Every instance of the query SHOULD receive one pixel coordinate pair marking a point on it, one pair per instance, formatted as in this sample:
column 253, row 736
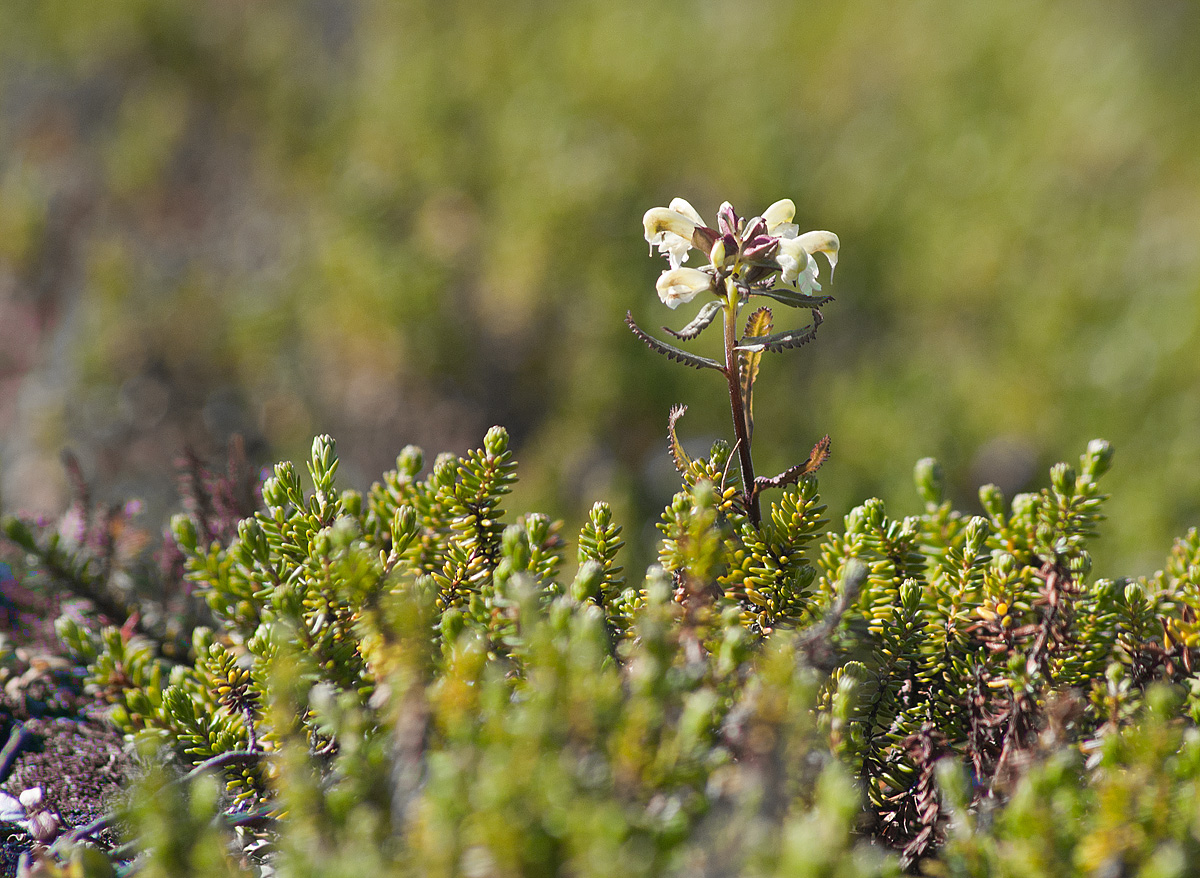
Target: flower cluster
column 754, row 254
column 759, row 256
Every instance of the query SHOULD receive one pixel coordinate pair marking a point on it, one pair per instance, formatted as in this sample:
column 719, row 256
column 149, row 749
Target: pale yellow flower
column 677, row 286
column 796, row 262
column 671, row 229
column 751, row 250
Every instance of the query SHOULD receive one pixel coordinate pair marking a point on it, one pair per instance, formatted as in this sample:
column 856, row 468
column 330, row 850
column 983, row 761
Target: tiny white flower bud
column 44, row 826
column 32, row 798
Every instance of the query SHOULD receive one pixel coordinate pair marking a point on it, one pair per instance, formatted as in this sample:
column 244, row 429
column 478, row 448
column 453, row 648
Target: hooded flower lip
column 778, row 218
column 672, row 230
column 796, row 262
column 678, row 286
column 822, row 242
column 684, row 206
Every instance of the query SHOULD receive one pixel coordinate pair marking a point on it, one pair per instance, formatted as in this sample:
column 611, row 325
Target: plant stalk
column 738, row 405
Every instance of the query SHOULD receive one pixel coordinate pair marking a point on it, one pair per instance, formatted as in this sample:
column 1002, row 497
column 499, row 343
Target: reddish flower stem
column 738, row 406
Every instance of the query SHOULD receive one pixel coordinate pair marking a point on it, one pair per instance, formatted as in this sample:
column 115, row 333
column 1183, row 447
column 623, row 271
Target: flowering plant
column 758, row 256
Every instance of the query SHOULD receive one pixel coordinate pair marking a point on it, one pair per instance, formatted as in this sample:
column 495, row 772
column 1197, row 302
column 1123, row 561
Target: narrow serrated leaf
column 682, row 461
column 781, row 341
column 759, row 324
column 669, row 351
column 818, row 455
column 791, row 297
column 700, row 323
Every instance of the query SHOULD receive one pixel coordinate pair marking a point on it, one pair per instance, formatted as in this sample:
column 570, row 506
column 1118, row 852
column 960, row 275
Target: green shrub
column 406, row 682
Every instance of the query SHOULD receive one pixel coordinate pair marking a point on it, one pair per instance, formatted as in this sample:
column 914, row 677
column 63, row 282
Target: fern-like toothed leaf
column 758, row 325
column 681, row 458
column 796, row 300
column 701, row 322
column 782, row 341
column 818, row 455
column 669, row 351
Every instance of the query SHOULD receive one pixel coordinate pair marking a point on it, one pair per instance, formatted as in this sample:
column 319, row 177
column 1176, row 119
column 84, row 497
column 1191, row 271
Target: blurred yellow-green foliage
column 401, row 221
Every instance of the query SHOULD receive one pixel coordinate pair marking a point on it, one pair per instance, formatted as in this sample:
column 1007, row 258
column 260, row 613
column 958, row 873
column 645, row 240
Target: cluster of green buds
column 758, row 256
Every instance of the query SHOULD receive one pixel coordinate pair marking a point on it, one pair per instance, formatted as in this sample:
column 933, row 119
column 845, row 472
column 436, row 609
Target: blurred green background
column 406, row 221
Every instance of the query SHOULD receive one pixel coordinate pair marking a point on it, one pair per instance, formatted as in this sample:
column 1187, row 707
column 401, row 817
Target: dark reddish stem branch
column 738, row 405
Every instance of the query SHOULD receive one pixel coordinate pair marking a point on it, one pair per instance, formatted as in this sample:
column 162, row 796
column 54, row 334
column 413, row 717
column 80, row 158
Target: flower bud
column 727, row 220
column 44, row 826
column 760, row 249
column 703, row 239
column 755, row 228
column 930, row 480
column 32, row 799
column 717, row 255
column 725, row 248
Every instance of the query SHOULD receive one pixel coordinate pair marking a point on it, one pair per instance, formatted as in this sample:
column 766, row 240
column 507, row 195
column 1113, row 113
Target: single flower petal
column 704, row 238
column 822, row 242
column 807, row 281
column 796, row 265
column 677, row 286
column 681, row 206
column 676, row 249
column 658, row 221
column 779, row 213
